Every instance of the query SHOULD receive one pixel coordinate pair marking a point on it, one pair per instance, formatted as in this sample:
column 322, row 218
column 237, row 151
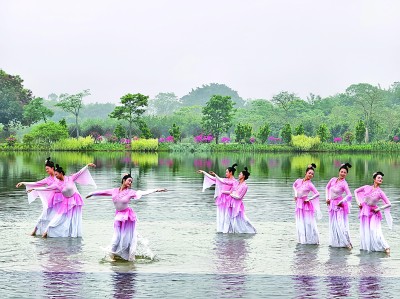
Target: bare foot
column 387, row 250
column 44, row 235
column 349, row 247
column 33, row 233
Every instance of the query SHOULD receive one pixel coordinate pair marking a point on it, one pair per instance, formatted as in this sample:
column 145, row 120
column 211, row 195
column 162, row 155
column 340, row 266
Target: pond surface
column 183, row 256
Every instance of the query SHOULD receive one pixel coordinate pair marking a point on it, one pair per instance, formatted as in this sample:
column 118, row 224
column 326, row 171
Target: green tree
column 175, row 132
column 13, row 98
column 73, row 104
column 323, row 132
column 369, row 98
column 243, row 133
column 263, row 133
column 144, row 130
column 164, row 103
column 120, row 131
column 217, row 115
column 284, row 100
column 299, row 130
column 47, row 133
column 132, row 107
column 348, row 137
column 35, row 111
column 286, row 133
column 360, row 131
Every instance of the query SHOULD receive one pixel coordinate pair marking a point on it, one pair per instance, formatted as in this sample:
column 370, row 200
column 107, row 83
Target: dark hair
column 125, row 177
column 246, row 173
column 312, row 166
column 345, row 166
column 59, row 169
column 49, row 163
column 375, row 174
column 232, row 168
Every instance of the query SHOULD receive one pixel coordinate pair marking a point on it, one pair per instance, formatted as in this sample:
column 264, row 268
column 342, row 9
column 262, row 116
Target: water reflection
column 304, row 266
column 124, row 281
column 370, row 269
column 337, row 269
column 231, row 252
column 62, row 266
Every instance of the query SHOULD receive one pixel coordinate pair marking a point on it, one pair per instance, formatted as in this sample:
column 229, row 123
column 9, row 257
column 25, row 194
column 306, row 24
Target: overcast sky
column 257, row 48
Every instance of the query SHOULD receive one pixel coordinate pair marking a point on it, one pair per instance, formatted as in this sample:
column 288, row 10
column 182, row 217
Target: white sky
column 258, row 48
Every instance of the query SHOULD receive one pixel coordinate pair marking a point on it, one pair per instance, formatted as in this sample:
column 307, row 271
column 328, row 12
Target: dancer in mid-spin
column 222, row 199
column 68, row 219
column 370, row 215
column 339, row 208
column 50, row 206
column 306, row 208
column 238, row 221
column 125, row 236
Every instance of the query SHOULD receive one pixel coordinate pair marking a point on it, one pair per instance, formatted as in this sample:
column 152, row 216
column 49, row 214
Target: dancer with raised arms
column 125, row 237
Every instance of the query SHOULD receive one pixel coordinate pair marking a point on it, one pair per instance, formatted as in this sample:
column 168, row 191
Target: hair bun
column 348, row 165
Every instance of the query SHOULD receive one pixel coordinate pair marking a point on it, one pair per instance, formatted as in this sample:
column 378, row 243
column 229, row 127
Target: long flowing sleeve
column 348, row 196
column 46, row 193
column 359, row 194
column 295, row 187
column 208, row 181
column 386, row 209
column 140, row 193
column 327, row 189
column 315, row 200
column 108, row 192
column 30, row 185
column 240, row 192
column 83, row 177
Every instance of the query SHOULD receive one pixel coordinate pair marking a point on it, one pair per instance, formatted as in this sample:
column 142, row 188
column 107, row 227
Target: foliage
column 299, row 130
column 203, row 138
column 348, row 137
column 201, row 95
column 175, row 132
column 35, row 111
column 48, row 133
column 164, row 103
column 73, row 104
column 144, row 130
column 225, row 140
column 144, row 145
column 168, row 139
column 360, row 131
column 284, row 99
column 217, row 115
column 263, row 133
column 120, row 131
column 286, row 133
column 323, row 133
column 13, row 98
column 305, row 143
column 132, row 107
column 243, row 133
column 11, row 140
column 74, row 144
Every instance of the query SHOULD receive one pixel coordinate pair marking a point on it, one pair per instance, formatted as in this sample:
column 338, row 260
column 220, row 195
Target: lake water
column 183, row 255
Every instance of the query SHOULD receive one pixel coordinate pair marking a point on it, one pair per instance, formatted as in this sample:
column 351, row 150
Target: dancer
column 68, row 219
column 370, row 215
column 222, row 199
column 50, row 206
column 306, row 225
column 238, row 221
column 339, row 208
column 125, row 236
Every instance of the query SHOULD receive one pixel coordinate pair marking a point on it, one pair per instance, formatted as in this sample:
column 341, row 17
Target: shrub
column 305, row 143
column 11, row 140
column 144, row 145
column 225, row 140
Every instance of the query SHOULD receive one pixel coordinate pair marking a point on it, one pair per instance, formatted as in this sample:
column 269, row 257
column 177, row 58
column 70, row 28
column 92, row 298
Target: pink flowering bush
column 396, row 138
column 111, row 138
column 11, row 140
column 337, row 139
column 225, row 140
column 167, row 139
column 252, row 140
column 125, row 141
column 203, row 138
column 272, row 139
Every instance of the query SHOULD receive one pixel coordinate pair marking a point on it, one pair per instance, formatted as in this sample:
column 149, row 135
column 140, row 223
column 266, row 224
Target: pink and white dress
column 222, row 200
column 307, row 209
column 339, row 209
column 125, row 237
column 236, row 216
column 49, row 206
column 370, row 221
column 68, row 219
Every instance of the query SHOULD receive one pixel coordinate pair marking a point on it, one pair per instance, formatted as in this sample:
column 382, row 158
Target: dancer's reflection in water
column 62, row 265
column 305, row 266
column 370, row 284
column 231, row 253
column 124, row 280
column 337, row 269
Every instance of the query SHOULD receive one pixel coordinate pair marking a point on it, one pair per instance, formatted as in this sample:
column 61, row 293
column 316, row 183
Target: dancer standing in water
column 68, row 220
column 370, row 215
column 339, row 208
column 306, row 225
column 50, row 206
column 125, row 236
column 238, row 221
column 222, row 199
